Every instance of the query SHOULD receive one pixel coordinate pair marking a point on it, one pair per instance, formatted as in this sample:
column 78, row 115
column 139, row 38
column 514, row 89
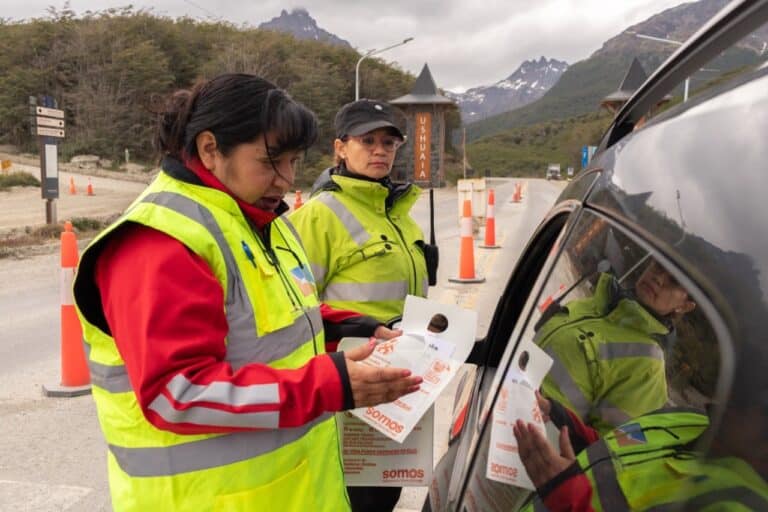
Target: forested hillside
column 108, row 70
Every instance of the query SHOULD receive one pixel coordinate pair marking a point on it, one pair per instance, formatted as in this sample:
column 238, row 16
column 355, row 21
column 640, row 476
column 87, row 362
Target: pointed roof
column 632, row 81
column 424, row 91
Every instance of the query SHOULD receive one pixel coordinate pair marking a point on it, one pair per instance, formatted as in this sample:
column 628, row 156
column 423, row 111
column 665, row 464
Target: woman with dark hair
column 204, row 332
column 366, row 251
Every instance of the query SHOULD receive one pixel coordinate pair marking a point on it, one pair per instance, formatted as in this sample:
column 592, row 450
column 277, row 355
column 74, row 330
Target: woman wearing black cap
column 365, row 249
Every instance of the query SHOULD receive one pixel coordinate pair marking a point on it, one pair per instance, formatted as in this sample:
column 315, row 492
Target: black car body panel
column 691, row 185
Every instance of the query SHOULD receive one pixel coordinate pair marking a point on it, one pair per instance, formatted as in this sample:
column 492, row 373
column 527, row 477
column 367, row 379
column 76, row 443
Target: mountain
column 527, row 84
column 586, row 82
column 302, row 26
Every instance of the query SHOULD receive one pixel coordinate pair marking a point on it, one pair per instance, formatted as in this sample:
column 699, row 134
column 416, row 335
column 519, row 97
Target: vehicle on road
column 654, row 195
column 553, row 172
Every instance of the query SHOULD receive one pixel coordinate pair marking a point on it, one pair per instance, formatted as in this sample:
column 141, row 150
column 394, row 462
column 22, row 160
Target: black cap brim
column 364, row 128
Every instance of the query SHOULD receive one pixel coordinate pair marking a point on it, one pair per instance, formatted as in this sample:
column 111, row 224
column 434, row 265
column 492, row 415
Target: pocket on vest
column 288, row 492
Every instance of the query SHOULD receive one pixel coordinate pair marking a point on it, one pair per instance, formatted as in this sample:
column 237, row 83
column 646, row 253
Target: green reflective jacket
column 648, row 464
column 608, row 364
column 366, row 256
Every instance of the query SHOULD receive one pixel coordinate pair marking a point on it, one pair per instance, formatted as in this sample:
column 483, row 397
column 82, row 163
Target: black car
column 684, row 192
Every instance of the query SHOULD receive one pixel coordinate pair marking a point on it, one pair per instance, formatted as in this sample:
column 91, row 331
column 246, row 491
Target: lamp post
column 668, row 41
column 368, row 54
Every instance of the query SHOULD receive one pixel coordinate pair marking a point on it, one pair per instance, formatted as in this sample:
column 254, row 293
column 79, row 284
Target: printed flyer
column 436, row 340
column 516, row 401
column 371, row 458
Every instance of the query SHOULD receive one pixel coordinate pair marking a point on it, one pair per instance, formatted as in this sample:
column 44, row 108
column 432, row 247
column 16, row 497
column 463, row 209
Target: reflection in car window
column 625, row 336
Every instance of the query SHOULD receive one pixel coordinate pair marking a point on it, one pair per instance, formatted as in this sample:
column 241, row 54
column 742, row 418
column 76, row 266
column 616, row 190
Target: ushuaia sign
column 422, row 146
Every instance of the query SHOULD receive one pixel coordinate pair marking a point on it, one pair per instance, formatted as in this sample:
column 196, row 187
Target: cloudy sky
column 466, row 42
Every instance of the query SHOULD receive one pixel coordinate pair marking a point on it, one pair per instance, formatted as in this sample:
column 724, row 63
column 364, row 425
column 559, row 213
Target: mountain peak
column 301, row 25
column 528, row 83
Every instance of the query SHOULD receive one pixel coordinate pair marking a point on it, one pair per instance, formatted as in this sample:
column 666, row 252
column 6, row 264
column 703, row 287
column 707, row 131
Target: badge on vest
column 630, row 434
column 304, row 280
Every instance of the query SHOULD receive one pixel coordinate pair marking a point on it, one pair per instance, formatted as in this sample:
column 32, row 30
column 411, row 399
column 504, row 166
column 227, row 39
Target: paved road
column 52, row 455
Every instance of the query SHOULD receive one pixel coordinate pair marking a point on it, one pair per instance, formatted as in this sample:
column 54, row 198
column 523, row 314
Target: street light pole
column 668, row 41
column 368, row 54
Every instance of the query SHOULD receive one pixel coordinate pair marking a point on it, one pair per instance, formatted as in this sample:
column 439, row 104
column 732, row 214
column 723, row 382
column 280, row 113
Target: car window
column 626, row 334
column 464, row 431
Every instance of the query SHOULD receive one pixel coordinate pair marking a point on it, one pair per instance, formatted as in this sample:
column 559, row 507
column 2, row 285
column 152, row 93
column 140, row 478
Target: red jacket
column 165, row 310
column 570, row 491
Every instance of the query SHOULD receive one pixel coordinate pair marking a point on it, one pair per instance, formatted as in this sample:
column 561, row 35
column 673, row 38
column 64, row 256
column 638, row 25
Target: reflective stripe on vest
column 366, row 292
column 240, row 319
column 111, row 378
column 607, row 485
column 207, row 453
column 611, row 414
column 564, row 380
column 356, row 230
column 732, row 495
column 617, row 349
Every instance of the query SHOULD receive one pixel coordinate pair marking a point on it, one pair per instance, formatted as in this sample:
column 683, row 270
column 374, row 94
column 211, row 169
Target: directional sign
column 49, row 121
column 49, row 112
column 50, row 132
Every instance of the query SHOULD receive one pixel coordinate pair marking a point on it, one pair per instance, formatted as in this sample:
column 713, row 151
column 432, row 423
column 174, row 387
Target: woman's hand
column 383, row 332
column 541, row 461
column 373, row 386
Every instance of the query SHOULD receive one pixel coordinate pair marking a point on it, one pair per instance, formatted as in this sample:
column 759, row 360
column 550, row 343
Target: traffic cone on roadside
column 72, row 189
column 490, row 223
column 298, row 202
column 466, row 254
column 75, row 379
column 90, row 188
column 550, row 299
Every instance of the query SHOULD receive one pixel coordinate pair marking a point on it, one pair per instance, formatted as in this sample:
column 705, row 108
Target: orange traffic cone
column 546, row 302
column 72, row 189
column 75, row 379
column 467, row 255
column 490, row 223
column 90, row 188
column 297, row 202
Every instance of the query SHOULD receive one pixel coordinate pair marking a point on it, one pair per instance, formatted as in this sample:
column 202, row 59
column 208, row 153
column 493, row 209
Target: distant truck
column 553, row 172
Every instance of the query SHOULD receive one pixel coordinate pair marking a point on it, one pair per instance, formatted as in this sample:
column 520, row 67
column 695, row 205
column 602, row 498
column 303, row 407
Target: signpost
column 47, row 123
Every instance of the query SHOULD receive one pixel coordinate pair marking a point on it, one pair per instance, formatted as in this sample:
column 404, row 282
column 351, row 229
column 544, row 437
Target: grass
column 22, row 242
column 18, row 179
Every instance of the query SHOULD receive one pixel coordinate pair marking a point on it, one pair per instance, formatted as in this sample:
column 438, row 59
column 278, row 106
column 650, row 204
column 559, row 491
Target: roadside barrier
column 75, row 379
column 490, row 223
column 72, row 189
column 466, row 254
column 298, row 202
column 90, row 188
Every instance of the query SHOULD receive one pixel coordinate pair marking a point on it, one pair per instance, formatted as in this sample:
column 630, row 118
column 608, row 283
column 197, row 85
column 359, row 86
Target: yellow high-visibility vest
column 273, row 317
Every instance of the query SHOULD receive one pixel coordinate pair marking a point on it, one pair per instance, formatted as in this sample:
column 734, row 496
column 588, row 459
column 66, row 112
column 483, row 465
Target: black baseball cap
column 363, row 116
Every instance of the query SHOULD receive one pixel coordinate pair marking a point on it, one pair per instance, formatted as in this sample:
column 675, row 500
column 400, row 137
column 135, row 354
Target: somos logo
column 382, row 419
column 403, row 474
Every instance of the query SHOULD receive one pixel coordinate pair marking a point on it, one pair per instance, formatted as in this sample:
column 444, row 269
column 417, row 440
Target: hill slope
column 585, row 83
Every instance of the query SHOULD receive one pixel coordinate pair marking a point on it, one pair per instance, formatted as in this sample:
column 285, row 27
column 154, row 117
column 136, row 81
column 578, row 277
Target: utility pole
column 464, row 149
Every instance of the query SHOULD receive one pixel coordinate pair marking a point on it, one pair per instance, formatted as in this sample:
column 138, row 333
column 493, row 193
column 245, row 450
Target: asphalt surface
column 52, row 454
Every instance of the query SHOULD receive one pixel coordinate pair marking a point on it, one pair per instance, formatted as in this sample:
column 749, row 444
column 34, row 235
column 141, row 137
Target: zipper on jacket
column 411, row 283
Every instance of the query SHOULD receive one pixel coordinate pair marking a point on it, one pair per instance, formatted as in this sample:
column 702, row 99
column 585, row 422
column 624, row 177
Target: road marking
column 32, row 496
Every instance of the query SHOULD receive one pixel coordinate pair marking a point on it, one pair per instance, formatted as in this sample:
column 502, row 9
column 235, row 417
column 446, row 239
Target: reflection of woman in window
column 608, row 349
